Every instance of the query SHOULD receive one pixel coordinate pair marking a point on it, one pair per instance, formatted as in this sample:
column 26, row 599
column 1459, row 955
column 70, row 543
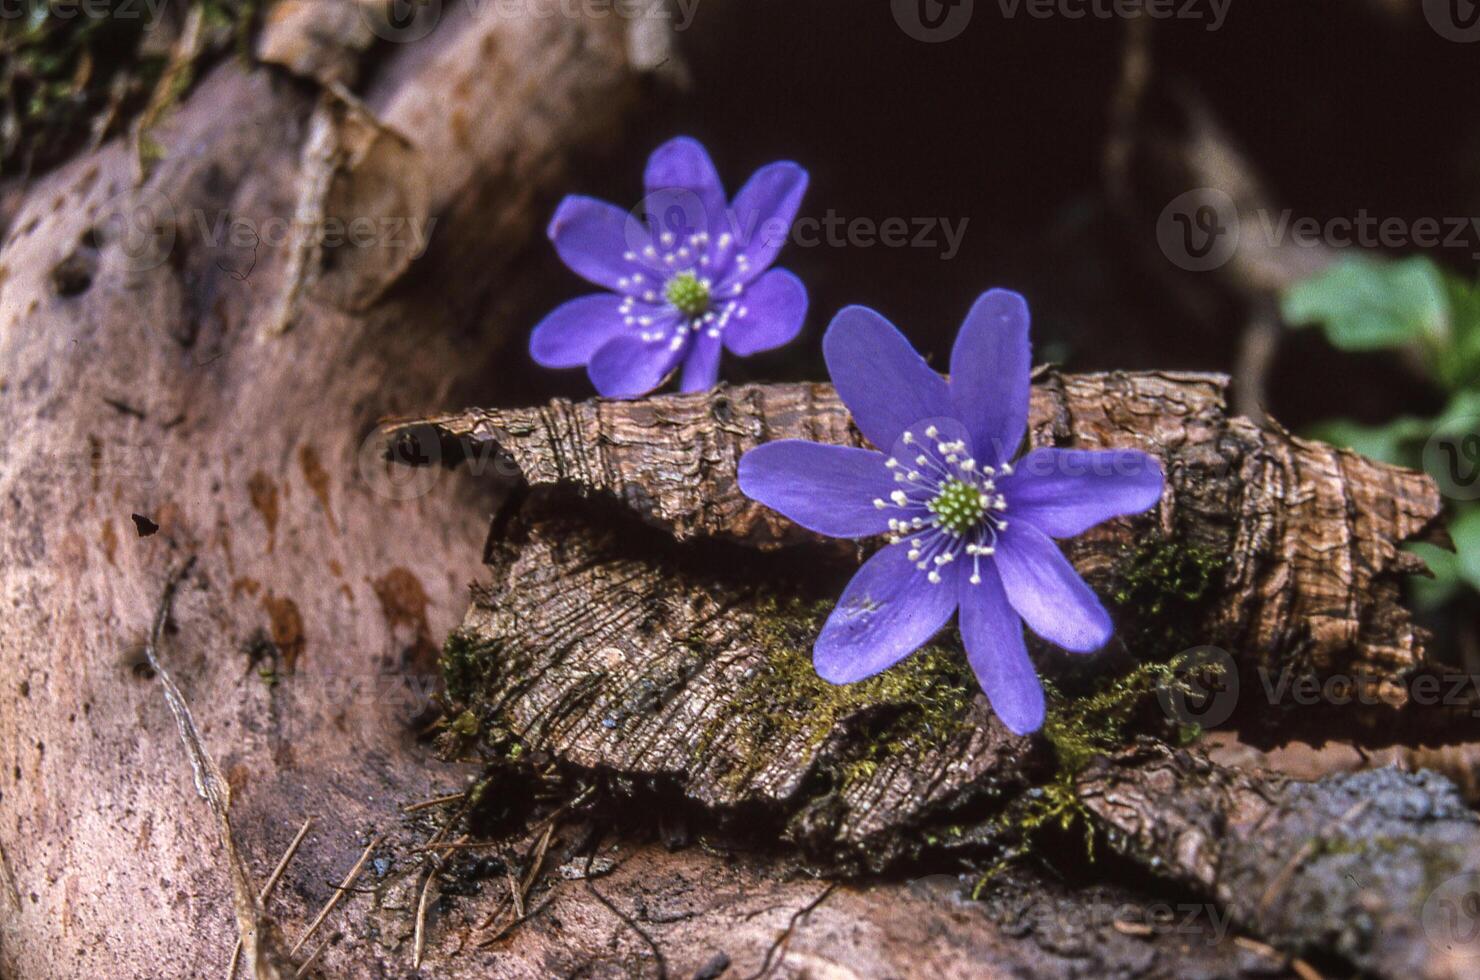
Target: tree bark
column 219, row 384
column 646, row 634
column 1357, row 866
column 1306, row 539
column 187, row 387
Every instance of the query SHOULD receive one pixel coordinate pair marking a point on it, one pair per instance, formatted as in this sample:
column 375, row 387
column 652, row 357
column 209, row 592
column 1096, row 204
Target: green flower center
column 687, row 294
column 958, row 506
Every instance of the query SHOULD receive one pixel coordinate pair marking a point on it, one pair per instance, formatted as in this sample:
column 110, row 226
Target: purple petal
column 684, row 193
column 760, row 217
column 627, row 366
column 701, row 366
column 1047, row 592
column 574, row 331
column 887, row 612
column 884, row 383
column 990, row 365
column 592, row 238
column 827, row 489
column 993, row 635
column 1063, row 492
column 775, row 306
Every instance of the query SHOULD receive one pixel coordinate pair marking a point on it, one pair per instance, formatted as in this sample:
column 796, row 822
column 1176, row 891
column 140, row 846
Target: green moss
column 67, row 76
column 1161, row 590
column 1101, row 722
column 1078, row 729
column 467, row 662
column 917, row 705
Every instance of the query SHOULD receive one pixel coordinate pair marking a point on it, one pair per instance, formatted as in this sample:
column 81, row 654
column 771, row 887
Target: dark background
column 1338, row 107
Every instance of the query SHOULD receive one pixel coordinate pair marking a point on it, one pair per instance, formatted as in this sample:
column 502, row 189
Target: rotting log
column 154, row 360
column 219, row 389
column 138, row 376
column 1301, row 543
column 1355, row 866
column 646, row 629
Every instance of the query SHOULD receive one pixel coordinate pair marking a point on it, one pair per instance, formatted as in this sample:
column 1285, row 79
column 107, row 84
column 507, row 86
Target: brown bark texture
column 1307, row 538
column 646, row 634
column 224, row 612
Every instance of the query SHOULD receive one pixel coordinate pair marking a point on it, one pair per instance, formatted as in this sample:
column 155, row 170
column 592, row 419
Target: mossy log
column 1356, row 866
column 647, row 628
column 1283, row 550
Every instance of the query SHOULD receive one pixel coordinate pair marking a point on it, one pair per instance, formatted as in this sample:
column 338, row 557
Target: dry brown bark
column 1309, row 536
column 647, row 630
column 139, row 375
column 1341, row 866
column 222, row 390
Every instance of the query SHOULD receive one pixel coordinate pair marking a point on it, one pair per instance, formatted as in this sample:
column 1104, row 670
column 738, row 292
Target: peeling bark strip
column 611, row 655
column 1308, row 536
column 680, row 672
column 1344, row 866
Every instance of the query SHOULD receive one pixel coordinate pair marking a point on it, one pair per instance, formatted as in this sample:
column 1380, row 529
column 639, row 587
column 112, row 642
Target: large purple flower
column 690, row 279
column 967, row 528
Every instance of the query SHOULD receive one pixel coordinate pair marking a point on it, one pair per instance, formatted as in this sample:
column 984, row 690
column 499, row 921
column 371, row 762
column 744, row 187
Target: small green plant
column 1432, row 317
column 71, row 75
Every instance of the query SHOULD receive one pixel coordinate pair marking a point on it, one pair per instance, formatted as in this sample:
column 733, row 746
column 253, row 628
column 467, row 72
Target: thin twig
column 514, row 894
column 419, row 944
column 791, row 925
column 349, row 879
column 312, row 958
column 1281, row 880
column 266, row 892
column 534, row 866
column 282, row 865
column 503, row 930
column 210, row 785
column 626, row 919
column 428, row 804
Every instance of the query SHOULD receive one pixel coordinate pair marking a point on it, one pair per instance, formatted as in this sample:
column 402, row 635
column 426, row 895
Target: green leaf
column 1459, row 416
column 1431, row 593
column 1459, row 366
column 1364, row 304
column 1465, row 530
column 1394, row 442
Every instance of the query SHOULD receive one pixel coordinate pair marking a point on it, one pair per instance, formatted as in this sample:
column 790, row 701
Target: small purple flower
column 690, row 279
column 967, row 528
